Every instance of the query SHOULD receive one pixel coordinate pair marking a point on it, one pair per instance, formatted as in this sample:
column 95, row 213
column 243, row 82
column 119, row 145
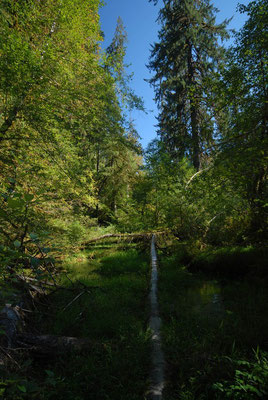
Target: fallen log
column 138, row 236
column 110, row 235
column 11, row 324
column 120, row 236
column 51, row 345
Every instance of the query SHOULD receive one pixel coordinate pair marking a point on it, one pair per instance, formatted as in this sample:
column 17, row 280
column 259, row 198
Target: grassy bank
column 232, row 262
column 214, row 331
column 112, row 314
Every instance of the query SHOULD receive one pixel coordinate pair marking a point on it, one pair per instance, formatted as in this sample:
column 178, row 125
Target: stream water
column 206, row 298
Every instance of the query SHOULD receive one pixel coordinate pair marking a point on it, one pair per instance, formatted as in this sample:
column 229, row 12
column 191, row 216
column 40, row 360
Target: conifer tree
column 116, row 51
column 244, row 99
column 184, row 61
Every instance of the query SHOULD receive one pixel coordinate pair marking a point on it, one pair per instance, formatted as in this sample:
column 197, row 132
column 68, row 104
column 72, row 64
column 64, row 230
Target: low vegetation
column 72, row 170
column 214, row 328
column 112, row 280
column 232, row 262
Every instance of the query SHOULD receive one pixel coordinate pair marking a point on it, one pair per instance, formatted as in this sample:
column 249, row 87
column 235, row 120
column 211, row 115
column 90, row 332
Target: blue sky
column 139, row 17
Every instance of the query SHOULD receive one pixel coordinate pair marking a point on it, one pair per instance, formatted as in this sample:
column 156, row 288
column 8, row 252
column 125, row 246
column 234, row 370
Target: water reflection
column 205, row 298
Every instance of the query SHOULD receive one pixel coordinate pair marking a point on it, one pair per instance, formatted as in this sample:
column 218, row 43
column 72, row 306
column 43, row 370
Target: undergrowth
column 112, row 312
column 214, row 332
column 233, row 262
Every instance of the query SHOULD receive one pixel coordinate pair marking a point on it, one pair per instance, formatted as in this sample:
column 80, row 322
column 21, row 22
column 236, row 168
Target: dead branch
column 74, row 300
column 6, row 353
column 36, row 281
column 197, row 173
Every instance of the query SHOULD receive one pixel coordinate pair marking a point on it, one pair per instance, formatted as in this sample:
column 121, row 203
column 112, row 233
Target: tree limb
column 197, row 173
column 10, row 119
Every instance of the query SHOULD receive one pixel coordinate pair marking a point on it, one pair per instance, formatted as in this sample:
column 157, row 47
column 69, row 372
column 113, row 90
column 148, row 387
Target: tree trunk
column 195, row 137
column 193, row 112
column 257, row 203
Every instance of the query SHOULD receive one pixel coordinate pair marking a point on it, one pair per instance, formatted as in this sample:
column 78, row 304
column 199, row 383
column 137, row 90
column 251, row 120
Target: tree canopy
column 70, row 158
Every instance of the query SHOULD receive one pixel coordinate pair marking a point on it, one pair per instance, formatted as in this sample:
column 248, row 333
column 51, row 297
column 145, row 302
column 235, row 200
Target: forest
column 80, row 200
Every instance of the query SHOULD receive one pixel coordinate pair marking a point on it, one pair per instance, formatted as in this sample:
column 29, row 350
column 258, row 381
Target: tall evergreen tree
column 245, row 100
column 116, row 51
column 118, row 69
column 184, row 61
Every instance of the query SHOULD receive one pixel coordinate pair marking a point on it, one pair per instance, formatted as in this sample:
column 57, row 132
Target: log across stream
column 157, row 372
column 91, row 332
column 52, row 345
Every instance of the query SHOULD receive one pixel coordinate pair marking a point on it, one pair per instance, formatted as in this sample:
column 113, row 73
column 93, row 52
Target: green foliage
column 115, row 64
column 249, row 380
column 184, row 62
column 232, row 261
column 220, row 120
column 19, row 388
column 68, row 159
column 112, row 314
column 210, row 327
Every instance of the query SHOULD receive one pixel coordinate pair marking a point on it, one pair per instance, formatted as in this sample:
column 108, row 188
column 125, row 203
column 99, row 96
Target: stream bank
column 112, row 313
column 214, row 330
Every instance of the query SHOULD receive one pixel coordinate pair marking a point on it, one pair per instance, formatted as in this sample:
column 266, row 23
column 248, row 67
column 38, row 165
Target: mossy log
column 11, row 324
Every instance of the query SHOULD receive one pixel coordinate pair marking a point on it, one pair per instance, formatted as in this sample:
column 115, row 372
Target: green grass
column 233, row 262
column 214, row 328
column 113, row 315
column 209, row 347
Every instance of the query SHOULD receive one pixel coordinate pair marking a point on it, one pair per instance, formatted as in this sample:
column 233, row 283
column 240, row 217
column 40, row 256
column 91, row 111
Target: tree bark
column 193, row 113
